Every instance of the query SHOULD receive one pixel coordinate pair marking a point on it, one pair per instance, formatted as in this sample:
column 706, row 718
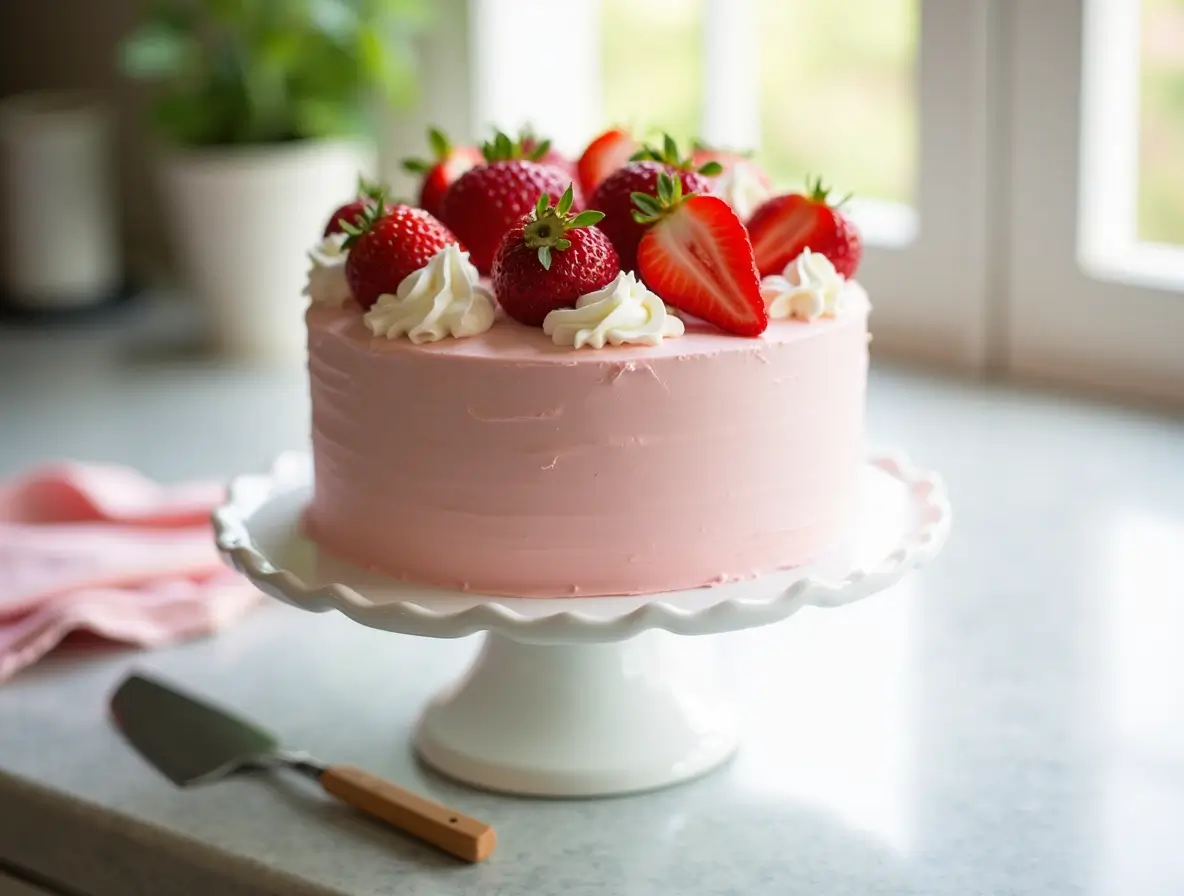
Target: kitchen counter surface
column 1009, row 720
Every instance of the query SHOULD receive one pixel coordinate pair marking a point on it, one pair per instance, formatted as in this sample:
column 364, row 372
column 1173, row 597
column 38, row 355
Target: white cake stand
column 578, row 696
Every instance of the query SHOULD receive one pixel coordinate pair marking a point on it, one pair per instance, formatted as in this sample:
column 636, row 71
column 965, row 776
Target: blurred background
column 1016, row 166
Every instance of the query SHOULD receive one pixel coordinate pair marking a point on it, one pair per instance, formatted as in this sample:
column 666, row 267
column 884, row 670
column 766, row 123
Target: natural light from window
column 1161, row 123
column 1131, row 227
column 837, row 95
column 652, row 63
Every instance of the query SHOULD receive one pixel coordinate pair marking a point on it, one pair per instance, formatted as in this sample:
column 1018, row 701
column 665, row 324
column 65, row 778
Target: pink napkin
column 101, row 549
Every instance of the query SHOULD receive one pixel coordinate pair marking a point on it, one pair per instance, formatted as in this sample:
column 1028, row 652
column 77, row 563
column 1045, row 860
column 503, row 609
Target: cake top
column 632, row 244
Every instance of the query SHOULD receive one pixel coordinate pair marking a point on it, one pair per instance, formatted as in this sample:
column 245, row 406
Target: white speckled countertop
column 1010, row 720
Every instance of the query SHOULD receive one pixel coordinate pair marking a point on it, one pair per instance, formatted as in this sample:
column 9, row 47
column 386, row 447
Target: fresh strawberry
column 604, row 155
column 489, row 199
column 367, row 194
column 550, row 156
column 448, row 163
column 614, row 196
column 786, row 224
column 549, row 259
column 384, row 247
column 697, row 257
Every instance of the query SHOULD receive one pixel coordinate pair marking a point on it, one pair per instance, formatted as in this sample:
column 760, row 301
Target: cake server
column 192, row 742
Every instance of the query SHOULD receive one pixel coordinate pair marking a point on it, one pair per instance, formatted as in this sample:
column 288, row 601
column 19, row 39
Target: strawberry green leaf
column 542, row 205
column 670, row 149
column 646, row 203
column 541, row 150
column 565, row 201
column 711, row 169
column 563, row 243
column 665, row 188
column 588, row 218
column 545, row 257
column 416, row 166
column 439, row 143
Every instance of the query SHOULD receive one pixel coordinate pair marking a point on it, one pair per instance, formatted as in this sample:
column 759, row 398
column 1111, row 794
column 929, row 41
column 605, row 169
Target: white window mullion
column 731, row 75
column 1111, row 326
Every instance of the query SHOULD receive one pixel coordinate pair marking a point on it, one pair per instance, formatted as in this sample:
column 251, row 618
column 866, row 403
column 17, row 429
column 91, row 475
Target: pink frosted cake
column 544, row 404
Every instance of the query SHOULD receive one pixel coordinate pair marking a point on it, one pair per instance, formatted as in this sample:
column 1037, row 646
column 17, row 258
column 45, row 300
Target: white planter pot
column 243, row 219
column 59, row 222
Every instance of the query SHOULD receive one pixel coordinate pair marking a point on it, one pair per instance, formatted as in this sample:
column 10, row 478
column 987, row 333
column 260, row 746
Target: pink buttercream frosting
column 504, row 464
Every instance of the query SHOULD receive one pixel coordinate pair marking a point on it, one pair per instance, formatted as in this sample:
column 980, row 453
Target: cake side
column 640, row 470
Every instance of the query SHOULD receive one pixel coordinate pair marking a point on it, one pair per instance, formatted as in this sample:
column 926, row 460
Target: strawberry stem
column 669, row 155
column 651, row 208
column 546, row 231
column 373, row 208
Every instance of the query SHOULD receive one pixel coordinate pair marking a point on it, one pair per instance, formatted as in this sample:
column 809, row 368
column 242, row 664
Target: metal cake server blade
column 193, row 742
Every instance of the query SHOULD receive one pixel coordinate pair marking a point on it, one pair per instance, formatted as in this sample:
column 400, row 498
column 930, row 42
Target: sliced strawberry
column 604, row 155
column 697, row 257
column 447, row 164
column 784, row 225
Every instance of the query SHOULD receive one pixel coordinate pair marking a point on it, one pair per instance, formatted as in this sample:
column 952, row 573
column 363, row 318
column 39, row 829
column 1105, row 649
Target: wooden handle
column 446, row 828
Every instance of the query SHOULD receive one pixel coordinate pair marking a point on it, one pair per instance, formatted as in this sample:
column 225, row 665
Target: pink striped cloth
column 103, row 550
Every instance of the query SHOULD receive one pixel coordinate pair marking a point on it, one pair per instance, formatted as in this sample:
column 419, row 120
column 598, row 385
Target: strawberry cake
column 629, row 373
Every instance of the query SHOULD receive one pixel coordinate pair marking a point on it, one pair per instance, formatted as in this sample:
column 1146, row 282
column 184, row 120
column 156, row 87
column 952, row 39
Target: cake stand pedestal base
column 582, row 720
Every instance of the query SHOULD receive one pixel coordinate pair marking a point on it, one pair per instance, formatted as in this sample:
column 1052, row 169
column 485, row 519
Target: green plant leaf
column 416, row 166
column 711, row 169
column 665, row 188
column 563, row 243
column 588, row 218
column 540, row 207
column 545, row 257
column 670, row 149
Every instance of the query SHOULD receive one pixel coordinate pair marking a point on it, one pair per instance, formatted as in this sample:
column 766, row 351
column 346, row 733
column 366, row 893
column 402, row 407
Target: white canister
column 59, row 239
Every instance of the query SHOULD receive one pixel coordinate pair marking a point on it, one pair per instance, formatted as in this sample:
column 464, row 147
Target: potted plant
column 265, row 114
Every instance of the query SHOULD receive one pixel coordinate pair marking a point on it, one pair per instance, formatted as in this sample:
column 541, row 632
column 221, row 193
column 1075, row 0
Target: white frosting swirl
column 443, row 298
column 808, row 288
column 623, row 311
column 326, row 284
column 741, row 187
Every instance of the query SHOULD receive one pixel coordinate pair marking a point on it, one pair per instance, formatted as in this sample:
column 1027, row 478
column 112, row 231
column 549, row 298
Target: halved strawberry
column 697, row 257
column 604, row 155
column 386, row 246
column 448, row 163
column 784, row 225
column 367, row 194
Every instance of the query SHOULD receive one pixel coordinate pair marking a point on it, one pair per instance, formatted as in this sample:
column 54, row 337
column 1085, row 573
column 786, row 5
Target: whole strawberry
column 367, row 194
column 384, row 247
column 784, row 225
column 489, row 199
column 549, row 259
column 437, row 175
column 551, row 156
column 614, row 196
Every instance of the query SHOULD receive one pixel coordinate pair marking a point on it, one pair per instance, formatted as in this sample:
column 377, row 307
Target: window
column 1014, row 164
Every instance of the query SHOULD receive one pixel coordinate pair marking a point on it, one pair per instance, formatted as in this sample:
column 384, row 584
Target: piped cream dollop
column 622, row 312
column 808, row 288
column 742, row 187
column 443, row 298
column 326, row 284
